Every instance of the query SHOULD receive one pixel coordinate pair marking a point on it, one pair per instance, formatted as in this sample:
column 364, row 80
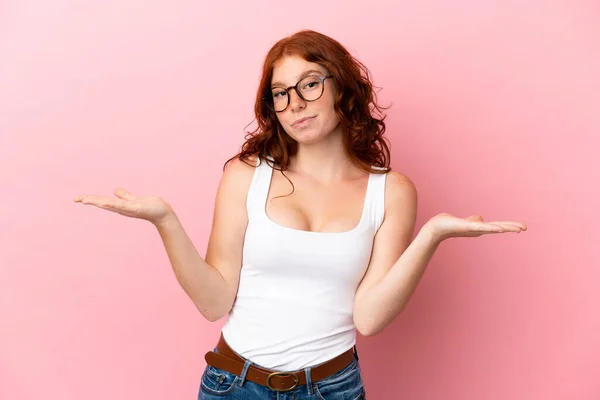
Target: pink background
column 495, row 110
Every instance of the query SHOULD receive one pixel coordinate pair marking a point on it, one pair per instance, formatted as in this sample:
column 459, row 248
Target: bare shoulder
column 237, row 175
column 237, row 166
column 400, row 191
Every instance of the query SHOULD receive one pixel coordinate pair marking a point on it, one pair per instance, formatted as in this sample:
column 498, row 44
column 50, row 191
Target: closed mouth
column 301, row 120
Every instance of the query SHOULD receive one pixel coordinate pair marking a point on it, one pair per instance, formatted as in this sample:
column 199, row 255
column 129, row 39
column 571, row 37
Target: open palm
column 446, row 226
column 150, row 208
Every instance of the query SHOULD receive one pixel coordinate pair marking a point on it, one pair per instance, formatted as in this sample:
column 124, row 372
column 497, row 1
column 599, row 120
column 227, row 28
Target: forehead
column 291, row 69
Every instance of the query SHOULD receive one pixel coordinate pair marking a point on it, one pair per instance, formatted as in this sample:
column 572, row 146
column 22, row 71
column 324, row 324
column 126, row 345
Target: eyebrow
column 306, row 73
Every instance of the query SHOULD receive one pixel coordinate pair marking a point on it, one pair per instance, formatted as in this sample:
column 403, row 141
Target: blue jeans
column 217, row 384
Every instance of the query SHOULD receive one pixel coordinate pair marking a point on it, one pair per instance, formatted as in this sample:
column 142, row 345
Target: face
column 305, row 121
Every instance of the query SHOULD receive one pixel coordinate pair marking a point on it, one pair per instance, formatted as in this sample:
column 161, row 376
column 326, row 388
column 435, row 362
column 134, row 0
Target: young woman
column 312, row 236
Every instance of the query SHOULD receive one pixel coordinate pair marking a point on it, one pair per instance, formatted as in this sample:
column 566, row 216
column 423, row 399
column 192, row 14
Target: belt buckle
column 296, row 380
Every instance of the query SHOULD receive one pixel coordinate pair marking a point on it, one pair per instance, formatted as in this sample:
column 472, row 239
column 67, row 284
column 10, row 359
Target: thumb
column 475, row 218
column 124, row 194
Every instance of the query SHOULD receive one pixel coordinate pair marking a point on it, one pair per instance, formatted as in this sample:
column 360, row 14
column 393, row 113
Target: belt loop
column 309, row 385
column 355, row 353
column 244, row 372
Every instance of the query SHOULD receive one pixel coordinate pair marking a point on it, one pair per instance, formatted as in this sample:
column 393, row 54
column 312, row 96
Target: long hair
column 360, row 115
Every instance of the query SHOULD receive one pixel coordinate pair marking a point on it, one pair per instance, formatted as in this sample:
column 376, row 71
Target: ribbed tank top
column 295, row 298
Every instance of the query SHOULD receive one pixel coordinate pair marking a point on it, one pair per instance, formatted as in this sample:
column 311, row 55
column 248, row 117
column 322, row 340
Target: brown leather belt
column 228, row 360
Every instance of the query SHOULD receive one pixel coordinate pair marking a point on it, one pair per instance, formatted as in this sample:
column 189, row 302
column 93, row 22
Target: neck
column 325, row 160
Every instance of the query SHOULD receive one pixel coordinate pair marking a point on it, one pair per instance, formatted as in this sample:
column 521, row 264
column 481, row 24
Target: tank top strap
column 375, row 201
column 259, row 187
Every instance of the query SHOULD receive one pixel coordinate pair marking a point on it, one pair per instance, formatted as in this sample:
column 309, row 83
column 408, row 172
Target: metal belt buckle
column 296, row 380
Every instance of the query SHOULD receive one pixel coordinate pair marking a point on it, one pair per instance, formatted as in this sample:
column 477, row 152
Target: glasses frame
column 271, row 106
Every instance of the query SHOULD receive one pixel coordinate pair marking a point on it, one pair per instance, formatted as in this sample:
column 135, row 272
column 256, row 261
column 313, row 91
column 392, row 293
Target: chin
column 308, row 137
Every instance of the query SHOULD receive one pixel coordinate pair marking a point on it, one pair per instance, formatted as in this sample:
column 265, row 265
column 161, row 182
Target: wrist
column 431, row 233
column 168, row 220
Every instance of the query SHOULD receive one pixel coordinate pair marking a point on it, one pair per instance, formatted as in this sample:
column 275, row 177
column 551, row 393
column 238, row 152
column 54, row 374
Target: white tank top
column 295, row 299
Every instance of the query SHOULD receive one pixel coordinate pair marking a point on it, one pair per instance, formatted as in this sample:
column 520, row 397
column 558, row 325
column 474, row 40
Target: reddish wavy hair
column 360, row 115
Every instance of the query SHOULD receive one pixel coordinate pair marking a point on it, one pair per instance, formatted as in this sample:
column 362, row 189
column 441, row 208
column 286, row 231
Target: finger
column 103, row 202
column 124, row 194
column 510, row 226
column 89, row 198
column 521, row 225
column 487, row 227
column 82, row 197
column 95, row 200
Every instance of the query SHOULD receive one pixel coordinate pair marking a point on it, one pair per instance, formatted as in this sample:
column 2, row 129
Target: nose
column 296, row 102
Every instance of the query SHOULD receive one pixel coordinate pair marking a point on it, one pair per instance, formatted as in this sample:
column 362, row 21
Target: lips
column 301, row 121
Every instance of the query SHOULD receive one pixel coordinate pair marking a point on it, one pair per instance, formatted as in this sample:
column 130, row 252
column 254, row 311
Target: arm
column 212, row 283
column 396, row 264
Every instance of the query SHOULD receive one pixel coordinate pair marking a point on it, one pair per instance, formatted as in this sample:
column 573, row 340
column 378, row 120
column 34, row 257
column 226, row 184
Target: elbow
column 363, row 322
column 365, row 332
column 366, row 326
column 213, row 310
column 368, row 330
column 211, row 315
column 371, row 325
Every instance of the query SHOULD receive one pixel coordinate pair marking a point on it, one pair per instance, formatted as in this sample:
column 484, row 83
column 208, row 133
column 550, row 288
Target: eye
column 279, row 93
column 310, row 83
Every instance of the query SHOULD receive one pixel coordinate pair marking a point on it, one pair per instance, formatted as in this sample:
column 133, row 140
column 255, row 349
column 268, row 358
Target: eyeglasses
column 310, row 88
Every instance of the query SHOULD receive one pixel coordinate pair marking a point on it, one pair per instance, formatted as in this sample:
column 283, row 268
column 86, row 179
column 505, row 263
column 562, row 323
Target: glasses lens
column 311, row 88
column 277, row 99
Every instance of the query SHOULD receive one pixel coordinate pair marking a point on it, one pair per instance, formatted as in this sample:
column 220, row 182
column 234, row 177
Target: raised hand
column 151, row 208
column 445, row 226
